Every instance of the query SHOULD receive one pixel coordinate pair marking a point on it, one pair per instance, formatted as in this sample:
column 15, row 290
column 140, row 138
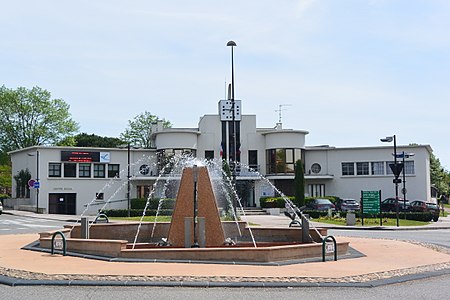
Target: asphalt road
column 434, row 288
column 10, row 224
column 439, row 237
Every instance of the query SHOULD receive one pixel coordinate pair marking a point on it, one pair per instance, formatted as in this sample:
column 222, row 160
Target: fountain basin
column 114, row 240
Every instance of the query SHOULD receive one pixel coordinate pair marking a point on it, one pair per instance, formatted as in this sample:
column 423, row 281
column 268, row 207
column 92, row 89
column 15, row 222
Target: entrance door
column 246, row 192
column 63, row 204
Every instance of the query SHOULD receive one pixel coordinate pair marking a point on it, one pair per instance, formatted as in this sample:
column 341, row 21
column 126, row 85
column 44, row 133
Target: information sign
column 58, row 244
column 371, row 202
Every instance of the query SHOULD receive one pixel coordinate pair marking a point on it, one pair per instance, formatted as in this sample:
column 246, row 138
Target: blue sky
column 352, row 71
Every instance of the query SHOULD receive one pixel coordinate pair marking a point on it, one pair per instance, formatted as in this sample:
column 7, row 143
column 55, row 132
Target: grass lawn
column 371, row 222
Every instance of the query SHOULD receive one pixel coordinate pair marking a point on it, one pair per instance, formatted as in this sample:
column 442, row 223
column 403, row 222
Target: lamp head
column 387, row 139
column 231, row 43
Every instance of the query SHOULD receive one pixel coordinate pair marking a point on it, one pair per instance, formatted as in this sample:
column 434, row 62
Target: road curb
column 15, row 282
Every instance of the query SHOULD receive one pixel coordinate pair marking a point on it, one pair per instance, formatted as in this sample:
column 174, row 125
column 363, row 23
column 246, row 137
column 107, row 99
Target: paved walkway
column 384, row 261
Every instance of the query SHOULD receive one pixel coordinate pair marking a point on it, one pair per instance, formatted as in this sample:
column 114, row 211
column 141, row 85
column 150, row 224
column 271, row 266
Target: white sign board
column 329, row 247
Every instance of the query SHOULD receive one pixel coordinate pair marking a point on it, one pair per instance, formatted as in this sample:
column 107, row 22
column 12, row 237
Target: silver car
column 348, row 205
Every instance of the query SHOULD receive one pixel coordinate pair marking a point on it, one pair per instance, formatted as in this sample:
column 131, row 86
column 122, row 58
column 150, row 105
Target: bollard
column 85, row 228
column 305, row 229
column 350, row 219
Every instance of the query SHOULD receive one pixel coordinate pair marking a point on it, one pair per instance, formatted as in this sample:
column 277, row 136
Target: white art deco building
column 70, row 178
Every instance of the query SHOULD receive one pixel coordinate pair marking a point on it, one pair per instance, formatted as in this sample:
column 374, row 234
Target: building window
column 348, row 169
column 316, row 168
column 362, row 168
column 209, row 154
column 99, row 171
column 409, row 167
column 282, row 160
column 253, row 159
column 377, row 168
column 165, row 156
column 316, row 190
column 84, row 170
column 54, row 170
column 113, row 171
column 144, row 169
column 70, row 170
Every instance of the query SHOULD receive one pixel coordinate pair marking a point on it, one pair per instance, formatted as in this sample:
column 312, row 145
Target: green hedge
column 139, row 203
column 273, row 202
column 279, row 202
column 416, row 216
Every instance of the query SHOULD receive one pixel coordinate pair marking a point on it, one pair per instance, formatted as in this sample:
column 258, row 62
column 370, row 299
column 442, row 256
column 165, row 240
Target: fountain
column 196, row 233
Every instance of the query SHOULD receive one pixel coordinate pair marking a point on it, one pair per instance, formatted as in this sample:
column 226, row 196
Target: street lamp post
column 389, row 139
column 232, row 44
column 37, row 180
column 128, row 146
column 128, row 179
column 233, row 157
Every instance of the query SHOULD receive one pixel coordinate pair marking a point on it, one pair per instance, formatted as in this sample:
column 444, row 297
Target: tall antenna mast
column 280, row 109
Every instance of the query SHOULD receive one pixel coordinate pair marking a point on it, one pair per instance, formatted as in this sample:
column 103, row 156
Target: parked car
column 388, row 205
column 320, row 204
column 1, row 208
column 346, row 204
column 423, row 206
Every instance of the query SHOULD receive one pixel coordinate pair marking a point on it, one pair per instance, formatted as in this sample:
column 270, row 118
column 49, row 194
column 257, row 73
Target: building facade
column 84, row 180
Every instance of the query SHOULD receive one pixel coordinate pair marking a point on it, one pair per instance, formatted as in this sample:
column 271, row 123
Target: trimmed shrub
column 139, row 203
column 273, row 202
column 315, row 214
column 4, row 196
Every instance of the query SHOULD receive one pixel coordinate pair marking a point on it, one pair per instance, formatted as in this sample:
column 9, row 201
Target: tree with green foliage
column 5, row 179
column 140, row 129
column 440, row 178
column 299, row 183
column 29, row 117
column 91, row 140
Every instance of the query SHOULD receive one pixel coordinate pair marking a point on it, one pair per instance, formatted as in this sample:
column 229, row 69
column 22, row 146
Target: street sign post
column 31, row 183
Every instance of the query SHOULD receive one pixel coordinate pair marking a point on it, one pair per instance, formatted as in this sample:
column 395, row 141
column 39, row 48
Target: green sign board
column 370, row 202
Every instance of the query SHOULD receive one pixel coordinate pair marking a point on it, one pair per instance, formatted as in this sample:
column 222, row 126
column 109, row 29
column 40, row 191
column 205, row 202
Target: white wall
column 418, row 184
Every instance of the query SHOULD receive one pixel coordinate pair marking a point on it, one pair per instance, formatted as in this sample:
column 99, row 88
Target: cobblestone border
column 21, row 278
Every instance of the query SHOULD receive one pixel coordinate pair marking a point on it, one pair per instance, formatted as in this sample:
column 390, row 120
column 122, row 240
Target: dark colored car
column 320, row 204
column 423, row 206
column 347, row 204
column 388, row 205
